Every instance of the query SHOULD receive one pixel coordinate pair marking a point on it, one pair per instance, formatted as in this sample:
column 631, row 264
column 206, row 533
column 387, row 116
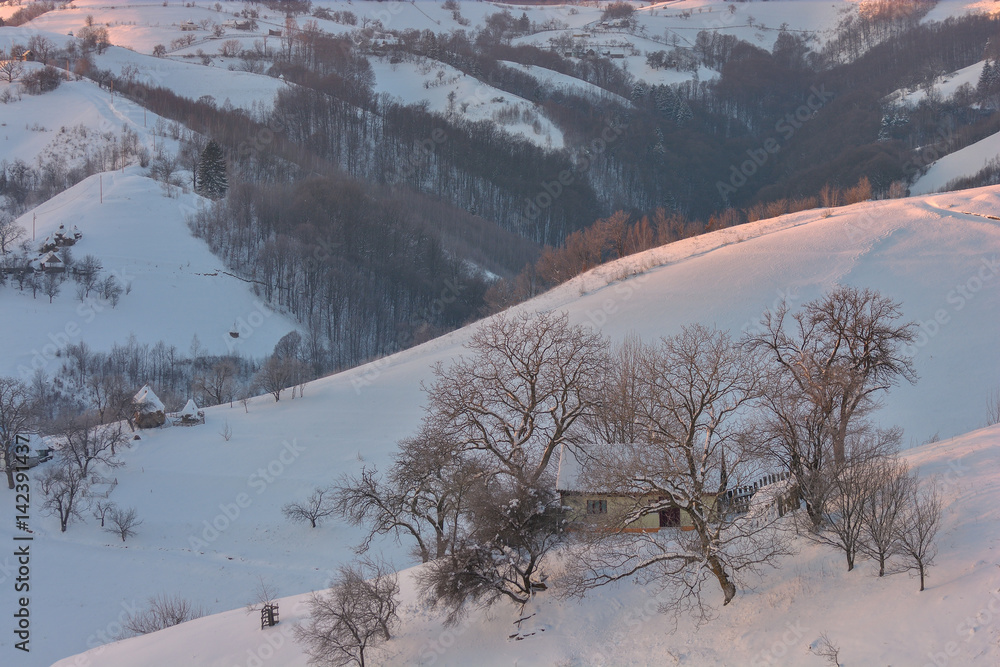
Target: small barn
column 588, row 500
column 149, row 410
column 188, row 26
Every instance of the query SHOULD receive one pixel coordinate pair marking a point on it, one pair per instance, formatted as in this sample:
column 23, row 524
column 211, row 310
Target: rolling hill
column 935, row 254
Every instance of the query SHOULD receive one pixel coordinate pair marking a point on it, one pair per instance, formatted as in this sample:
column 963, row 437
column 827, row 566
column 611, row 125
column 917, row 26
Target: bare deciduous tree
column 508, row 530
column 101, row 509
column 65, row 489
column 530, row 379
column 918, row 526
column 883, row 510
column 422, row 496
column 162, row 611
column 318, row 505
column 278, row 374
column 264, row 594
column 10, row 232
column 17, row 416
column 853, row 486
column 218, row 385
column 11, row 70
column 229, row 48
column 840, row 351
column 507, row 408
column 88, row 273
column 123, row 522
column 825, row 648
column 354, row 616
column 51, row 285
column 86, row 443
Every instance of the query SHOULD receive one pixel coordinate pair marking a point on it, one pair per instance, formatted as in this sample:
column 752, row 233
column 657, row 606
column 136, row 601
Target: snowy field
column 931, row 253
column 872, row 621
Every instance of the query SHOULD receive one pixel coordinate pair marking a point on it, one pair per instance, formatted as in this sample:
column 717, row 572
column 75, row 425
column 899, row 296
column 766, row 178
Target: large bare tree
column 10, row 231
column 514, row 400
column 697, row 389
column 840, row 352
column 506, row 408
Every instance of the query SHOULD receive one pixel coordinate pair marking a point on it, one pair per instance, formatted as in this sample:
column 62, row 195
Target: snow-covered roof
column 577, row 463
column 190, row 409
column 147, row 400
column 568, row 477
column 51, row 258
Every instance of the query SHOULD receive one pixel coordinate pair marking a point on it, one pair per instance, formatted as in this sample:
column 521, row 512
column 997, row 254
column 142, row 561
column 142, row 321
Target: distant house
column 238, row 24
column 271, row 32
column 188, row 25
column 51, row 262
column 587, row 500
column 149, row 410
column 38, row 450
column 28, row 56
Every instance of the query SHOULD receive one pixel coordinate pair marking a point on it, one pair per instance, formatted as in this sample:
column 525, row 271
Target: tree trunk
column 10, row 475
column 728, row 588
column 920, row 566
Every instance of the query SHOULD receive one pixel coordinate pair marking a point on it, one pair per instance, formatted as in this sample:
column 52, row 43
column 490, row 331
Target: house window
column 597, row 507
column 670, row 517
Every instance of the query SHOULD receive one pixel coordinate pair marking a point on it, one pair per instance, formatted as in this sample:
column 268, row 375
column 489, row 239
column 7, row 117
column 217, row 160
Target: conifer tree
column 212, row 181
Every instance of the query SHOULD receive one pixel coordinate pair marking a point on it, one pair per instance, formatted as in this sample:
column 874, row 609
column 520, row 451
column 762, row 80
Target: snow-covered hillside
column 448, row 91
column 210, row 496
column 872, row 621
column 934, row 254
column 177, row 288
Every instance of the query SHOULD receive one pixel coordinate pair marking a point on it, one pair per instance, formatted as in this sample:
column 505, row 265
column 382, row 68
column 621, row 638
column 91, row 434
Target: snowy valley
column 400, row 176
